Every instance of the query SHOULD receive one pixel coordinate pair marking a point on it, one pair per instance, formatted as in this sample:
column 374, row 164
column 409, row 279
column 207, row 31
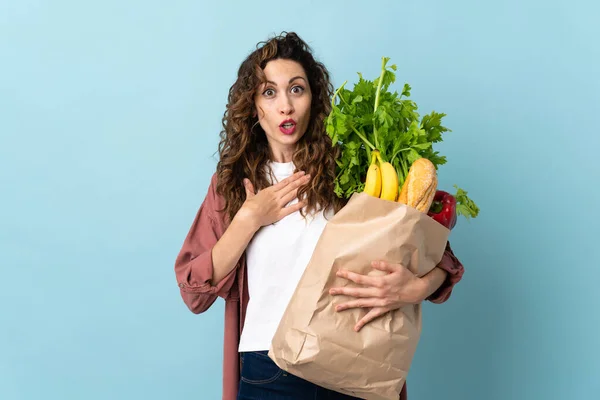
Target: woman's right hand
column 270, row 204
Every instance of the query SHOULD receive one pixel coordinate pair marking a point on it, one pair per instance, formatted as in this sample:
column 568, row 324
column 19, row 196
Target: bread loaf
column 420, row 185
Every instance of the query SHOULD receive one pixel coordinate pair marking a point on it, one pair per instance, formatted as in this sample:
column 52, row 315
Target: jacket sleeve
column 455, row 270
column 194, row 264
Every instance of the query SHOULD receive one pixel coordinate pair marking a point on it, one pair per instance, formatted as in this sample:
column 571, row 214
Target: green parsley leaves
column 372, row 116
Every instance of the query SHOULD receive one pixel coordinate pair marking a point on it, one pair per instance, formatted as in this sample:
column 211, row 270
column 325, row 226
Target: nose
column 286, row 107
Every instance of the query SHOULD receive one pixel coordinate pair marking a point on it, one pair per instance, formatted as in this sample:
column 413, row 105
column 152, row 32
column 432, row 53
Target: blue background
column 109, row 121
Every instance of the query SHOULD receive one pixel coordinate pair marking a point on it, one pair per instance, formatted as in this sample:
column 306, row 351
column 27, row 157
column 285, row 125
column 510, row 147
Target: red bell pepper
column 443, row 209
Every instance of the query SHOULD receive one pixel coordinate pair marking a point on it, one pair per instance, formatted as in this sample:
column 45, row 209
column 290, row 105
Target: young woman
column 265, row 208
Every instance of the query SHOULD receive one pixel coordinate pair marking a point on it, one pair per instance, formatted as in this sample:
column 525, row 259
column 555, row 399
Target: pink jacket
column 194, row 268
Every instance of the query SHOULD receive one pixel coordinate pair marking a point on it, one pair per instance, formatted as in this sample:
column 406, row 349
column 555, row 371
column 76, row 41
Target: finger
column 291, row 209
column 280, row 185
column 370, row 316
column 288, row 197
column 293, row 186
column 360, row 279
column 290, row 192
column 355, row 292
column 361, row 303
column 249, row 188
column 384, row 266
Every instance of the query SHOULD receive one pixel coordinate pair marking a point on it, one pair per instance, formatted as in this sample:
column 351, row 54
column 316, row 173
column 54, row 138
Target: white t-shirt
column 275, row 260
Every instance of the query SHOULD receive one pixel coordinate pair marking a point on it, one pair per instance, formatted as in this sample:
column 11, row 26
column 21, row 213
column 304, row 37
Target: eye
column 269, row 93
column 297, row 89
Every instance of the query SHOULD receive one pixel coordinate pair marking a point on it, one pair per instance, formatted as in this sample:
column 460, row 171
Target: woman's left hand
column 396, row 288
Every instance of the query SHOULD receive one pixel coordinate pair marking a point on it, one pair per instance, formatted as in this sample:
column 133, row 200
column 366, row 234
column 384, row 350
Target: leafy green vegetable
column 372, row 116
column 464, row 205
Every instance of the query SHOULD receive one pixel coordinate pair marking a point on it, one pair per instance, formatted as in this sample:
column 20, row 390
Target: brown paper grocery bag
column 318, row 344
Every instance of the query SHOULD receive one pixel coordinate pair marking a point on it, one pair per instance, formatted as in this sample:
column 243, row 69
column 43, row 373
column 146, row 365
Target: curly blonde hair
column 243, row 148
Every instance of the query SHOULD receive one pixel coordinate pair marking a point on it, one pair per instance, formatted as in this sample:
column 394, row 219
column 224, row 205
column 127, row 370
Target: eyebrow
column 290, row 81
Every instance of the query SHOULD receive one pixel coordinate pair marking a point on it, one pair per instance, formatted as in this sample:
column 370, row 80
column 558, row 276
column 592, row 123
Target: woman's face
column 283, row 106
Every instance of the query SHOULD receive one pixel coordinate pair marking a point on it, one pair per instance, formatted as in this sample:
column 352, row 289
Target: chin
column 290, row 139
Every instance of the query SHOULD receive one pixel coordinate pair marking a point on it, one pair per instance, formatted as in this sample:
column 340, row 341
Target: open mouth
column 288, row 127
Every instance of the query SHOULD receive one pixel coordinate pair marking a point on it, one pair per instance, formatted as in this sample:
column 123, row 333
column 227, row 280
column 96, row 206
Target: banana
column 373, row 181
column 389, row 182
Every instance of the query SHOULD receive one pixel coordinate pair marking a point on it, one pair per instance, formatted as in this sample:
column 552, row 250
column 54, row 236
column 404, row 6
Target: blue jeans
column 262, row 379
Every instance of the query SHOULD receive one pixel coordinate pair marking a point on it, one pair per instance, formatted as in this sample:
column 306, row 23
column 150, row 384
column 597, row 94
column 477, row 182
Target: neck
column 282, row 155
